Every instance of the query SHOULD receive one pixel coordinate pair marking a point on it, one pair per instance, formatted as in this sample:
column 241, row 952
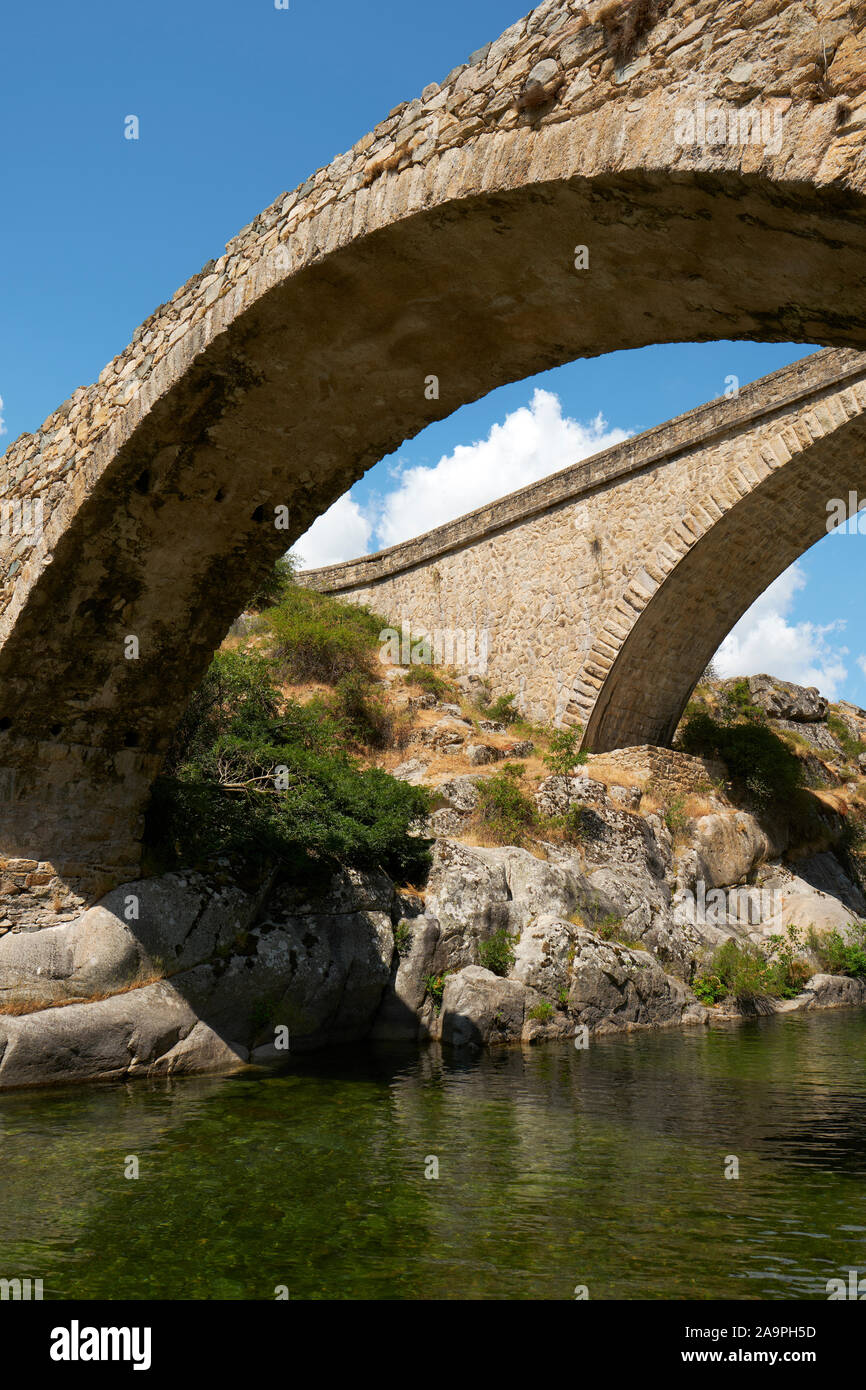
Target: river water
column 556, row 1169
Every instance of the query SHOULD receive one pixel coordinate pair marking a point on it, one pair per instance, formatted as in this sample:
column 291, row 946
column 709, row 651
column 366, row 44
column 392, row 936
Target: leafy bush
column 362, row 713
column 504, row 808
column 708, row 988
column 542, row 1011
column 737, row 704
column 787, row 971
column 275, row 588
column 403, row 937
column 266, row 783
column 742, row 971
column 851, row 747
column 675, row 817
column 753, row 754
column 564, row 752
column 502, row 709
column 430, row 680
column 836, row 956
column 237, row 694
column 436, row 988
column 497, row 952
column 747, row 974
column 317, row 638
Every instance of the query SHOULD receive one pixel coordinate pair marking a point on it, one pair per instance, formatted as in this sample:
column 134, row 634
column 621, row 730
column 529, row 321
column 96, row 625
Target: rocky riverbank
column 610, row 927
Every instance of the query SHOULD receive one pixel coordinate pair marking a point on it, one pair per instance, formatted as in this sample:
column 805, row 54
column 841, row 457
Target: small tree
column 564, row 752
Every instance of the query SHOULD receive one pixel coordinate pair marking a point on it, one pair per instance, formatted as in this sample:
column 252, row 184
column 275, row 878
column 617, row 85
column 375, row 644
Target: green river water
column 557, row 1168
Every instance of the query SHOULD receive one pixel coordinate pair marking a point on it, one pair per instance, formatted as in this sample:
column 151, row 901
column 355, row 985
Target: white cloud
column 531, row 443
column 341, row 533
column 765, row 641
column 2, row 421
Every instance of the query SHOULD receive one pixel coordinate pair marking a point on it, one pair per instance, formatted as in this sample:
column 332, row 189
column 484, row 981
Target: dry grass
column 305, row 692
column 696, row 805
column 20, row 1010
column 476, row 835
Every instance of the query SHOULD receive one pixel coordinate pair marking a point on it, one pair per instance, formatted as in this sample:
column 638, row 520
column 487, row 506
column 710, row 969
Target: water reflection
column 556, row 1168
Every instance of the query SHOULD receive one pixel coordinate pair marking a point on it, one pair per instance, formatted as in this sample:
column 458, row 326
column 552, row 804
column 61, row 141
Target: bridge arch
column 443, row 243
column 663, row 627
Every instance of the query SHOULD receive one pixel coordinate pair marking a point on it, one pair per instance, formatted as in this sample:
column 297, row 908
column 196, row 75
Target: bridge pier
column 71, row 826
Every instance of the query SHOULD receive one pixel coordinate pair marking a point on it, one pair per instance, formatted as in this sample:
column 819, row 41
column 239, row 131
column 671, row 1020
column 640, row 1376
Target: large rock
column 320, row 973
column 144, row 930
column 833, row 992
column 543, row 956
column 479, row 1008
column 317, row 962
column 729, row 847
column 782, row 700
column 802, row 903
column 458, row 793
column 445, row 733
column 537, row 886
column 139, row 1033
column 468, row 893
column 816, row 734
column 402, row 1013
column 609, row 835
column 614, row 987
column 644, row 909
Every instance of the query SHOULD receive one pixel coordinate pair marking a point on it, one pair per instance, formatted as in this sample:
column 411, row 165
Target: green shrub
column 497, row 952
column 742, row 971
column 430, row 680
column 708, row 988
column 836, row 956
column 317, row 638
column 542, row 1011
column 363, row 714
column 502, row 709
column 270, row 785
column 748, row 974
column 275, row 587
column 403, row 937
column 564, row 752
column 675, row 817
column 236, row 693
column 753, row 754
column 737, row 705
column 787, row 971
column 504, row 808
column 436, row 988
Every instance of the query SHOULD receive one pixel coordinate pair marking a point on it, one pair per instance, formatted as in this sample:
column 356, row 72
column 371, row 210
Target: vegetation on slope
column 265, row 780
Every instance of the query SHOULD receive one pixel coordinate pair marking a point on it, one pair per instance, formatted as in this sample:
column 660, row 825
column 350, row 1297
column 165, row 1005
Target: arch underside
column 323, row 375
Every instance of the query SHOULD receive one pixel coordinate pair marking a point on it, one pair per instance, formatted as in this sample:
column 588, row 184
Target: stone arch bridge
column 442, row 243
column 604, row 590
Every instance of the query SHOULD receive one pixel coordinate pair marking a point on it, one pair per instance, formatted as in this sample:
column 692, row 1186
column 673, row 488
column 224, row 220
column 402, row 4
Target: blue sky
column 237, row 102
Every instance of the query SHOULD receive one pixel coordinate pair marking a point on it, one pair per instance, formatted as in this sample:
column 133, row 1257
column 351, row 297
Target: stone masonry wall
column 546, row 69
column 541, row 569
column 447, row 231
